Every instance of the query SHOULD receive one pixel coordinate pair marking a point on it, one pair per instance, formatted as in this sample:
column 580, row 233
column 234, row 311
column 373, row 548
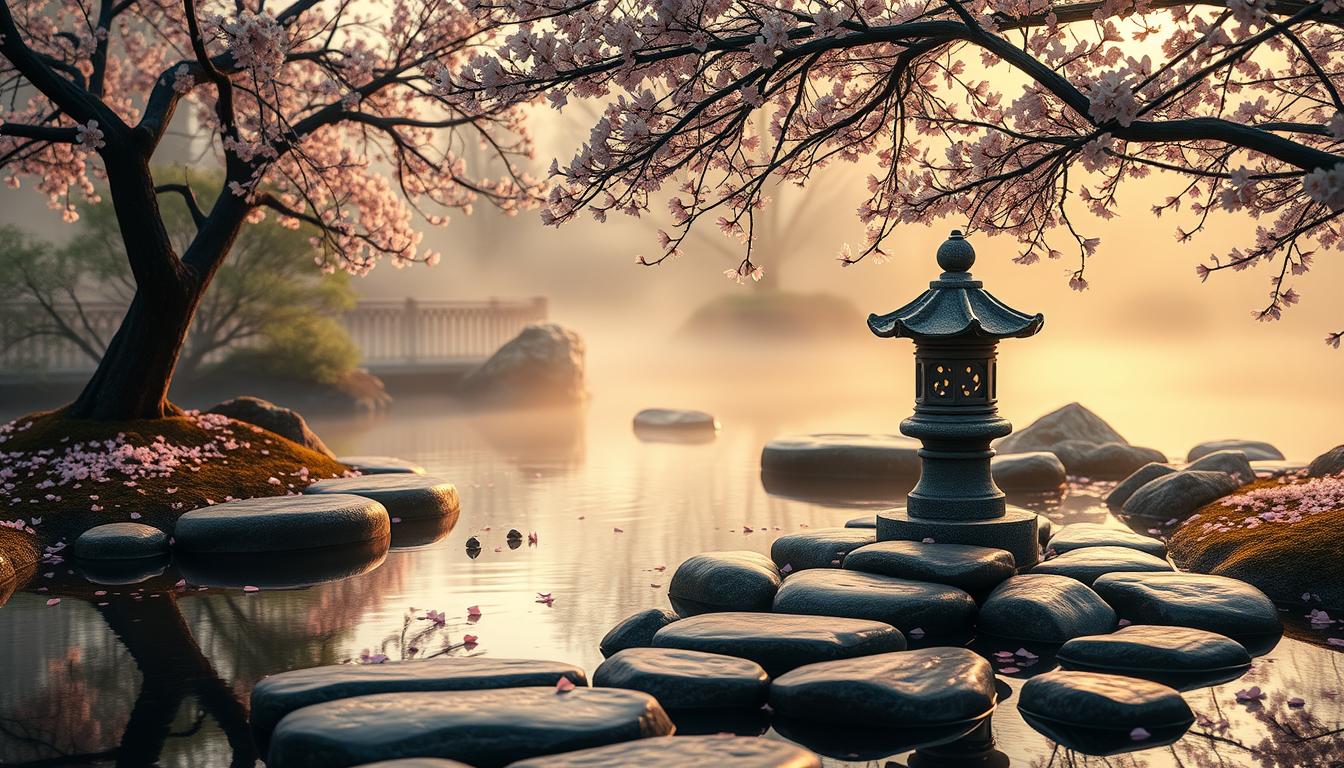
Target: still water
column 152, row 674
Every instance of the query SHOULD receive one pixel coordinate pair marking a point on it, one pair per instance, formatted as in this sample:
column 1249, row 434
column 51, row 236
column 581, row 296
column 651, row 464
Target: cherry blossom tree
column 1015, row 117
column 330, row 113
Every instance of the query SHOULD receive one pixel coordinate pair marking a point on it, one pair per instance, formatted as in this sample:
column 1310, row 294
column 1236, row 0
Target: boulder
column 120, row 541
column 1178, row 495
column 1329, row 463
column 1255, row 450
column 1072, row 422
column 282, row 524
column 483, row 728
column 681, row 679
column 673, row 419
column 837, row 456
column 381, row 465
column 719, row 750
column 542, row 365
column 282, row 421
column 1079, row 535
column 723, row 581
column 1175, row 656
column 1030, row 471
column 1109, row 461
column 1088, row 563
column 407, row 496
column 973, row 569
column 1109, row 702
column 1044, row 608
column 1229, row 462
column 930, row 687
column 818, row 547
column 635, row 631
column 1199, row 601
column 780, row 642
column 1136, row 480
column 938, row 609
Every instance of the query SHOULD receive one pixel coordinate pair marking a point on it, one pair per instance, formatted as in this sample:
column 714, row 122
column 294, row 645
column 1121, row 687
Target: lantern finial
column 956, row 253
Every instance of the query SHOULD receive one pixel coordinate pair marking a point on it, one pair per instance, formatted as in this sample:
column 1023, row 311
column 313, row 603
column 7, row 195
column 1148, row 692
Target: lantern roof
column 956, row 305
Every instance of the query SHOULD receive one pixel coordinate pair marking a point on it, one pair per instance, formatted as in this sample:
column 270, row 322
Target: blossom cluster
column 1286, row 502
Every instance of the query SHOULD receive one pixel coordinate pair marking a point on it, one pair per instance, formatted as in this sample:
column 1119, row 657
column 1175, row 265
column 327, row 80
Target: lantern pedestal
column 1014, row 531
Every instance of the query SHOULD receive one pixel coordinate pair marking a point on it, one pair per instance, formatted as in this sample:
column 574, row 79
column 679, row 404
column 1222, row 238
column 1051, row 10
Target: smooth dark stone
column 1080, row 535
column 1329, row 463
column 1230, row 462
column 904, row 604
column 1044, row 608
column 1071, row 422
column 483, row 728
column 682, row 752
column 818, row 548
column 282, row 524
column 860, row 457
column 120, row 541
column 681, row 679
column 1110, row 461
column 407, row 496
column 1031, row 471
column 1096, row 700
column 635, row 631
column 927, row 687
column 285, row 422
column 1139, row 478
column 1255, row 450
column 416, row 762
column 1175, row 656
column 381, row 465
column 1178, row 495
column 1044, row 530
column 973, row 569
column 1199, row 601
column 673, row 419
column 866, row 521
column 1088, row 563
column 279, row 694
column 723, row 581
column 780, row 642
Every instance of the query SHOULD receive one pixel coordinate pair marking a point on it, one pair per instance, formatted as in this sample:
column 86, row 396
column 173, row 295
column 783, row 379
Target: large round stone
column 859, row 457
column 1230, row 462
column 1212, row 603
column 1108, row 461
column 120, row 541
column 1031, row 471
column 635, row 631
column 1175, row 656
column 681, row 679
column 407, row 496
column 1255, row 450
column 723, row 581
column 1071, row 422
column 1140, row 477
column 284, row 422
column 1043, row 608
column 481, row 728
column 1080, row 535
column 1329, row 463
column 973, row 569
column 1095, row 700
column 381, row 465
column 780, row 642
column 720, row 751
column 282, row 523
column 818, row 548
column 1088, row 563
column 904, row 604
column 278, row 695
column 674, row 419
column 927, row 687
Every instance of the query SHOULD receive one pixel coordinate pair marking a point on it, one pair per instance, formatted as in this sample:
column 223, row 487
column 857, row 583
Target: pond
column 160, row 674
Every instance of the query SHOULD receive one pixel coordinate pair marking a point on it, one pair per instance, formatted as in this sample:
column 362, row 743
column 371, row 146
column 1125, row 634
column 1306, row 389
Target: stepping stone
column 930, row 687
column 635, row 631
column 867, row 521
column 1031, row 471
column 1199, row 601
column 1044, row 608
column 973, row 569
column 1088, row 563
column 719, row 751
column 1229, row 462
column 904, row 604
column 1141, row 477
column 723, row 581
column 673, row 419
column 279, row 694
column 1063, row 702
column 120, row 541
column 681, row 679
column 780, row 642
column 1175, row 656
column 1255, row 450
column 282, row 524
column 407, row 496
column 481, row 728
column 1080, row 535
column 381, row 465
column 858, row 457
column 818, row 548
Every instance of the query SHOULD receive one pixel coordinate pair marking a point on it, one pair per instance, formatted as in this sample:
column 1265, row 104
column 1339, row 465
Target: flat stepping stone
column 1139, row 478
column 1199, row 601
column 279, row 694
column 780, row 642
column 866, row 521
column 1080, row 535
column 929, row 687
column 973, row 569
column 635, row 631
column 904, row 604
column 1255, row 450
column 481, row 728
column 121, row 541
column 282, row 524
column 1176, row 656
column 381, row 465
column 857, row 457
column 681, row 679
column 1031, row 471
column 819, row 547
column 1044, row 608
column 1089, row 563
column 1072, row 704
column 674, row 419
column 407, row 496
column 723, row 581
column 720, row 751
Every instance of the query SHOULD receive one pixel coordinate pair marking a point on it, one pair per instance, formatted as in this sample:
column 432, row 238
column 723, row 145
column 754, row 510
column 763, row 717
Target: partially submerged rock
column 1030, row 471
column 1138, row 712
column 1329, row 463
column 1071, row 422
column 973, row 569
column 1044, row 608
column 818, row 547
column 1255, row 450
column 675, row 419
column 381, row 465
column 1089, row 563
column 723, row 581
column 1108, row 461
column 682, row 679
column 1177, row 656
column 542, row 365
column 406, row 496
column 1079, row 535
column 780, row 642
column 1212, row 603
column 282, row 523
column 904, row 604
column 1178, row 495
column 635, row 631
column 1136, row 480
column 1230, row 462
column 120, row 541
column 840, row 456
column 284, row 422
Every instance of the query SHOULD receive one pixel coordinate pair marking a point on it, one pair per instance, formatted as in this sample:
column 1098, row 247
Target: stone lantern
column 956, row 326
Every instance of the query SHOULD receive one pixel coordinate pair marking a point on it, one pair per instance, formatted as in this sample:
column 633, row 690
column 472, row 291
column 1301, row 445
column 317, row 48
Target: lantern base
column 1015, row 531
